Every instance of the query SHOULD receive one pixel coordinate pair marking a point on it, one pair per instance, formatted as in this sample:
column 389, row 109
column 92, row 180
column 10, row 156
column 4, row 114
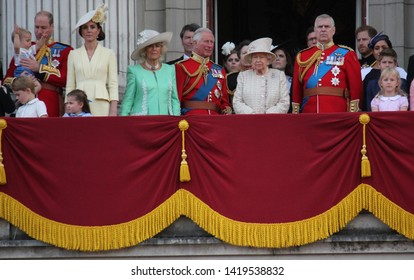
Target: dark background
column 284, row 21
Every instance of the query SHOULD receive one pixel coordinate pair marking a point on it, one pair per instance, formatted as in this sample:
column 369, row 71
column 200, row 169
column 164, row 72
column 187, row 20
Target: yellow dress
column 97, row 77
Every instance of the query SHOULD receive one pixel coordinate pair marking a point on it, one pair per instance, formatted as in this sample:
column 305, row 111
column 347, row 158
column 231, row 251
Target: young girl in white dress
column 390, row 97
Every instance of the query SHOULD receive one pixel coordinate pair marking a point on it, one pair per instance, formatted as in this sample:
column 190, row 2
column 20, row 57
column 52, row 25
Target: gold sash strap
column 307, row 63
column 202, row 70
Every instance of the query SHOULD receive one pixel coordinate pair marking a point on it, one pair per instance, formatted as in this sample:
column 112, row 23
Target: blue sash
column 204, row 90
column 326, row 66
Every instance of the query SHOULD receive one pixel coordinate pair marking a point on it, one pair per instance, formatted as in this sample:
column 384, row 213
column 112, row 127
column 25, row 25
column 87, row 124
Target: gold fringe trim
column 279, row 235
column 3, row 179
column 276, row 235
column 84, row 238
column 364, row 119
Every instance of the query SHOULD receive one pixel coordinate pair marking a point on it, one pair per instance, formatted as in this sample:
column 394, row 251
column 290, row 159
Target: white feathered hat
column 98, row 16
column 148, row 37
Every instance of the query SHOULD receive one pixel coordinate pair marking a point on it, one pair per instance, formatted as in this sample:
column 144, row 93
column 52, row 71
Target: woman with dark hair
column 92, row 67
column 381, row 46
column 284, row 62
column 231, row 59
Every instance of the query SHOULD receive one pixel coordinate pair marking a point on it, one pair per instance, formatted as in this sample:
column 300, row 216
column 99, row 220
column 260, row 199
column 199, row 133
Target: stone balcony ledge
column 366, row 237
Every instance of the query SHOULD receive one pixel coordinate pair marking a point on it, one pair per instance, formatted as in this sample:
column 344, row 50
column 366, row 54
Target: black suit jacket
column 175, row 60
column 6, row 102
column 410, row 70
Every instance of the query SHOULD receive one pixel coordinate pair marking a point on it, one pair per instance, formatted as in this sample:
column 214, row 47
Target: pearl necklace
column 152, row 68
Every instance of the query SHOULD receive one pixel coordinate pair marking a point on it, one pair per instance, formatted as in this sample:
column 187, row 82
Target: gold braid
column 307, row 64
column 44, row 50
column 203, row 69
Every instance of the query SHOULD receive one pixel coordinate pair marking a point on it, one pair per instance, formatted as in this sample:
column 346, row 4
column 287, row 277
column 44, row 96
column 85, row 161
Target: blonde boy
column 23, row 48
column 24, row 89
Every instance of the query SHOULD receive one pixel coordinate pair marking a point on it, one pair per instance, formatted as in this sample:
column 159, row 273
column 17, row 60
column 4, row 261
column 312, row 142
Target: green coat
column 150, row 93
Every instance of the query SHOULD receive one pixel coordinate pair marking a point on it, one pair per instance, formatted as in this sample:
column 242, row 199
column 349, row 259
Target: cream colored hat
column 148, row 37
column 98, row 16
column 262, row 45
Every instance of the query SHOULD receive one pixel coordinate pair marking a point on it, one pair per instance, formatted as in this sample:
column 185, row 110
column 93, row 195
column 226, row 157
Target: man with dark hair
column 363, row 36
column 49, row 67
column 186, row 35
column 311, row 39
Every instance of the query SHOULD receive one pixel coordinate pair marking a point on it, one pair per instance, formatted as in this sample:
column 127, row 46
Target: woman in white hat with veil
column 151, row 85
column 261, row 90
column 93, row 67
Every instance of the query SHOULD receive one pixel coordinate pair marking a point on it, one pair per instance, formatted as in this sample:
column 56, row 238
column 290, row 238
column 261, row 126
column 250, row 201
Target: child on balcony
column 77, row 104
column 390, row 97
column 31, row 107
column 23, row 48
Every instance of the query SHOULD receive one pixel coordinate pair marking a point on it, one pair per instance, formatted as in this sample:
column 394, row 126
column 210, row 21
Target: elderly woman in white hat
column 151, row 85
column 261, row 90
column 92, row 67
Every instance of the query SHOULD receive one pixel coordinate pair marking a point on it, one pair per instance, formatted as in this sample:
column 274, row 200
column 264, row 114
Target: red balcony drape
column 266, row 180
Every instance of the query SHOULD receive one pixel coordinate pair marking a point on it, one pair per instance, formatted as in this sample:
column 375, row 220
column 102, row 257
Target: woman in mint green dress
column 151, row 87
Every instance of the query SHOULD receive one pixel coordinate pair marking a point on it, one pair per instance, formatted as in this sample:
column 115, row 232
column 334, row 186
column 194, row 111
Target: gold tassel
column 184, row 168
column 365, row 164
column 3, row 181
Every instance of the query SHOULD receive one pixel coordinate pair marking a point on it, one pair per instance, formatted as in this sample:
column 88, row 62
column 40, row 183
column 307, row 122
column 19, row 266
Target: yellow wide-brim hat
column 148, row 37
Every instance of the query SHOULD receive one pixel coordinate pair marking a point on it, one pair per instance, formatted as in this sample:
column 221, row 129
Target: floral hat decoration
column 262, row 45
column 227, row 48
column 148, row 37
column 98, row 15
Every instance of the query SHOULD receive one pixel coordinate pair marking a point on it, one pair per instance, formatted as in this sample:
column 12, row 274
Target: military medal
column 56, row 53
column 335, row 81
column 335, row 71
column 219, row 85
column 55, row 63
column 217, row 93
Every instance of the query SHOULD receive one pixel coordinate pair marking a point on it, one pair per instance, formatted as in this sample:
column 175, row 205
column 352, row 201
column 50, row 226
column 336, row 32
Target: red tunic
column 190, row 75
column 52, row 74
column 343, row 72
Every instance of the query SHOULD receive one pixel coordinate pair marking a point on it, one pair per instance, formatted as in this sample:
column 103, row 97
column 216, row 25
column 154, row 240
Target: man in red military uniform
column 327, row 77
column 201, row 84
column 49, row 67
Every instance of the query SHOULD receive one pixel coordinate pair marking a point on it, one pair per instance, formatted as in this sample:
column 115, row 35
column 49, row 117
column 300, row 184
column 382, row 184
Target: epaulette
column 217, row 64
column 58, row 45
column 182, row 65
column 305, row 49
column 8, row 81
column 346, row 47
column 182, row 60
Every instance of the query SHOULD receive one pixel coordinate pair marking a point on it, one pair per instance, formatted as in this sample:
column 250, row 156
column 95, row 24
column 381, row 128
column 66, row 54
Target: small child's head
column 25, row 38
column 24, row 89
column 390, row 81
column 387, row 58
column 77, row 102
